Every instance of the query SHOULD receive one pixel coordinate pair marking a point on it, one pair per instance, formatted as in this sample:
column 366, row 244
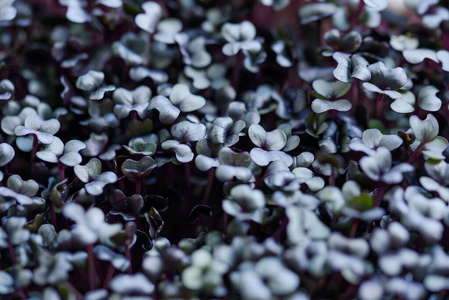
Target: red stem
column 34, row 150
column 210, row 180
column 237, row 71
column 187, row 178
column 379, row 194
column 61, row 169
column 138, row 185
column 128, row 256
column 354, row 226
column 109, row 276
column 332, row 178
column 53, row 215
column 356, row 16
column 379, row 105
column 91, row 266
column 12, row 253
column 415, row 153
column 355, row 92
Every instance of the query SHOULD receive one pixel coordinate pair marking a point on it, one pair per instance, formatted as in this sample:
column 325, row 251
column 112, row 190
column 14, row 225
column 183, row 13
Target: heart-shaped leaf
column 168, row 113
column 347, row 43
column 167, row 29
column 21, row 199
column 243, row 202
column 181, row 97
column 350, row 67
column 140, row 73
column 90, row 81
column 24, row 187
column 129, row 205
column 95, row 187
column 385, row 80
column 320, row 106
column 405, row 104
column 271, row 141
column 183, row 152
column 98, row 94
column 141, row 168
column 330, row 90
column 416, row 56
column 6, row 89
column 6, row 154
column 151, row 16
column 435, row 148
column 376, row 165
column 119, row 261
column 89, row 171
column 131, row 284
column 142, row 145
column 186, row 131
column 427, row 99
column 425, row 130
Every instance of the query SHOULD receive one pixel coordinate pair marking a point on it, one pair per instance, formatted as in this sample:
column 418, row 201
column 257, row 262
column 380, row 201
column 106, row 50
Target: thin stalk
column 281, row 228
column 415, row 153
column 210, row 180
column 235, row 80
column 91, row 266
column 53, row 216
column 333, row 114
column 187, row 178
column 144, row 186
column 355, row 17
column 61, row 169
column 332, row 178
column 225, row 221
column 138, row 185
column 354, row 226
column 12, row 253
column 355, row 92
column 34, row 150
column 109, row 276
column 21, row 294
column 379, row 194
column 379, row 105
column 77, row 293
column 128, row 256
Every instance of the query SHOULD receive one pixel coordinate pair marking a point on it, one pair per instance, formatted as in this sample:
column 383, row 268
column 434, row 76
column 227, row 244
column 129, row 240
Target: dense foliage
column 241, row 149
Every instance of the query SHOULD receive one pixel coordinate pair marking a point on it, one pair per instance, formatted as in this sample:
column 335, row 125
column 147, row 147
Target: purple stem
column 281, row 228
column 210, row 180
column 91, row 266
column 379, row 105
column 34, row 150
column 61, row 169
column 138, row 185
column 415, row 153
column 12, row 253
column 356, row 16
column 53, row 216
column 144, row 186
column 332, row 178
column 380, row 194
column 355, row 92
column 187, row 178
column 354, row 226
column 109, row 275
column 128, row 256
column 225, row 221
column 237, row 71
